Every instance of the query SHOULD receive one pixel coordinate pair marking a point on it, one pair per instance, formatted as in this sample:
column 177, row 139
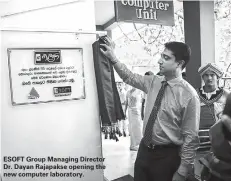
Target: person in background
column 217, row 163
column 123, row 123
column 212, row 102
column 172, row 115
column 133, row 104
column 212, row 97
column 144, row 97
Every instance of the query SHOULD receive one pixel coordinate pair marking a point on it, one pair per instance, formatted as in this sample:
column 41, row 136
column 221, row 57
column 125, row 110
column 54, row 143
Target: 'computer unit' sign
column 145, row 11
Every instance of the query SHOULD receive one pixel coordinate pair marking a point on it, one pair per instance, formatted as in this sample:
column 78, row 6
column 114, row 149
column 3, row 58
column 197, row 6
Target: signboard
column 145, row 11
column 46, row 75
column 47, row 57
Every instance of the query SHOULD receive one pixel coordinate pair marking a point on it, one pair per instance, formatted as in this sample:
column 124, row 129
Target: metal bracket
column 76, row 32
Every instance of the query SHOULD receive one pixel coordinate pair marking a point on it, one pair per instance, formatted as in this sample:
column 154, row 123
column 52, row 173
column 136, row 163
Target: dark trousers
column 156, row 164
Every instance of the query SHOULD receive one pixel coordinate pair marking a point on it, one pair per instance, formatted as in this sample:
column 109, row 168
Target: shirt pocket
column 171, row 109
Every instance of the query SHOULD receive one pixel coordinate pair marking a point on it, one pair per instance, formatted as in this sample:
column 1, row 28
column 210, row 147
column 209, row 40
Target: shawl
column 109, row 101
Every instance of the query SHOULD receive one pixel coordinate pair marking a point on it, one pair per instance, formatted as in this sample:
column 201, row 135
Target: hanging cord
column 125, row 34
column 160, row 30
column 140, row 36
column 170, row 35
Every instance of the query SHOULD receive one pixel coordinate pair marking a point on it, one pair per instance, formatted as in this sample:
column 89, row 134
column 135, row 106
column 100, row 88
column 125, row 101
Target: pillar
column 200, row 36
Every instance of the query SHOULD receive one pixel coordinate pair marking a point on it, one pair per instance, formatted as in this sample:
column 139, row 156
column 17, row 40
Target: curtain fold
column 109, row 101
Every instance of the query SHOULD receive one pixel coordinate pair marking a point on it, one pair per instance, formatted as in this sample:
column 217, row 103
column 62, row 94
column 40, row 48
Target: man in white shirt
column 172, row 115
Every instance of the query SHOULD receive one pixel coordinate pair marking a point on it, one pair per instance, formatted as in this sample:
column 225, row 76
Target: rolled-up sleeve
column 190, row 128
column 138, row 81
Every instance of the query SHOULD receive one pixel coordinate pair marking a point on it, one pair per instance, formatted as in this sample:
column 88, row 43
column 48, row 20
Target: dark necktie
column 149, row 127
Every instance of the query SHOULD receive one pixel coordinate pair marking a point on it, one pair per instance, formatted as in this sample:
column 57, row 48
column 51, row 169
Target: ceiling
column 104, row 11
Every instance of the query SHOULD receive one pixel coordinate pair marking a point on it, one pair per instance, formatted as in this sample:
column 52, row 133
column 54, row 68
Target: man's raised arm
column 138, row 81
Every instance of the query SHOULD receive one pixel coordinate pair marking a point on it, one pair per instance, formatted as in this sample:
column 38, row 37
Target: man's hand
column 108, row 50
column 178, row 177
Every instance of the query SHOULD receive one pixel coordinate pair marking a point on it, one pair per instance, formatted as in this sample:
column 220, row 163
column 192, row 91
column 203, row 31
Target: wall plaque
column 47, row 57
column 41, row 75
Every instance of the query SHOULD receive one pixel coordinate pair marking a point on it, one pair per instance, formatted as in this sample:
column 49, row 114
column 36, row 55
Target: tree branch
column 225, row 16
column 156, row 36
column 139, row 34
column 179, row 15
column 125, row 34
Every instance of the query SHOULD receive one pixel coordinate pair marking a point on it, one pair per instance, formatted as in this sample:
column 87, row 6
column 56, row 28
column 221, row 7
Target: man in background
column 123, row 125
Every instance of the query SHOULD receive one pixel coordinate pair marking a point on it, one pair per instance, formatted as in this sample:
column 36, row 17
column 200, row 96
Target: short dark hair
column 148, row 73
column 180, row 50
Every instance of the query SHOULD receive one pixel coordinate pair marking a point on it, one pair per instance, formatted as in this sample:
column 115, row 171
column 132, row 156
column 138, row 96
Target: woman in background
column 123, row 125
column 133, row 105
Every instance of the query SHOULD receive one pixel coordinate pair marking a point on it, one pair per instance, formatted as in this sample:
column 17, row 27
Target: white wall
column 1, row 5
column 52, row 129
column 207, row 32
column 17, row 6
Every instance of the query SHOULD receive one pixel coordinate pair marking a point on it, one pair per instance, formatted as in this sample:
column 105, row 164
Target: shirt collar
column 214, row 92
column 174, row 81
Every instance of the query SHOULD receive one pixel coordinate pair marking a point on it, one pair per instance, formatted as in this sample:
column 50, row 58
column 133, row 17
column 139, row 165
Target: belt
column 154, row 147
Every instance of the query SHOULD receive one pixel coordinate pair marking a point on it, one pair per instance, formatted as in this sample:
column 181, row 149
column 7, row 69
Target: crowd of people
column 182, row 126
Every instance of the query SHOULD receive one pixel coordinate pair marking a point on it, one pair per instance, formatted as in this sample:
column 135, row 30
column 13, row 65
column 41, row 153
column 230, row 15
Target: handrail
column 204, row 137
column 203, row 130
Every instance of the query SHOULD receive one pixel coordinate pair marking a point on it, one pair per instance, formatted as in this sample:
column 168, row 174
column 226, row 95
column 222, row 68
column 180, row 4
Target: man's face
column 167, row 62
column 210, row 78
